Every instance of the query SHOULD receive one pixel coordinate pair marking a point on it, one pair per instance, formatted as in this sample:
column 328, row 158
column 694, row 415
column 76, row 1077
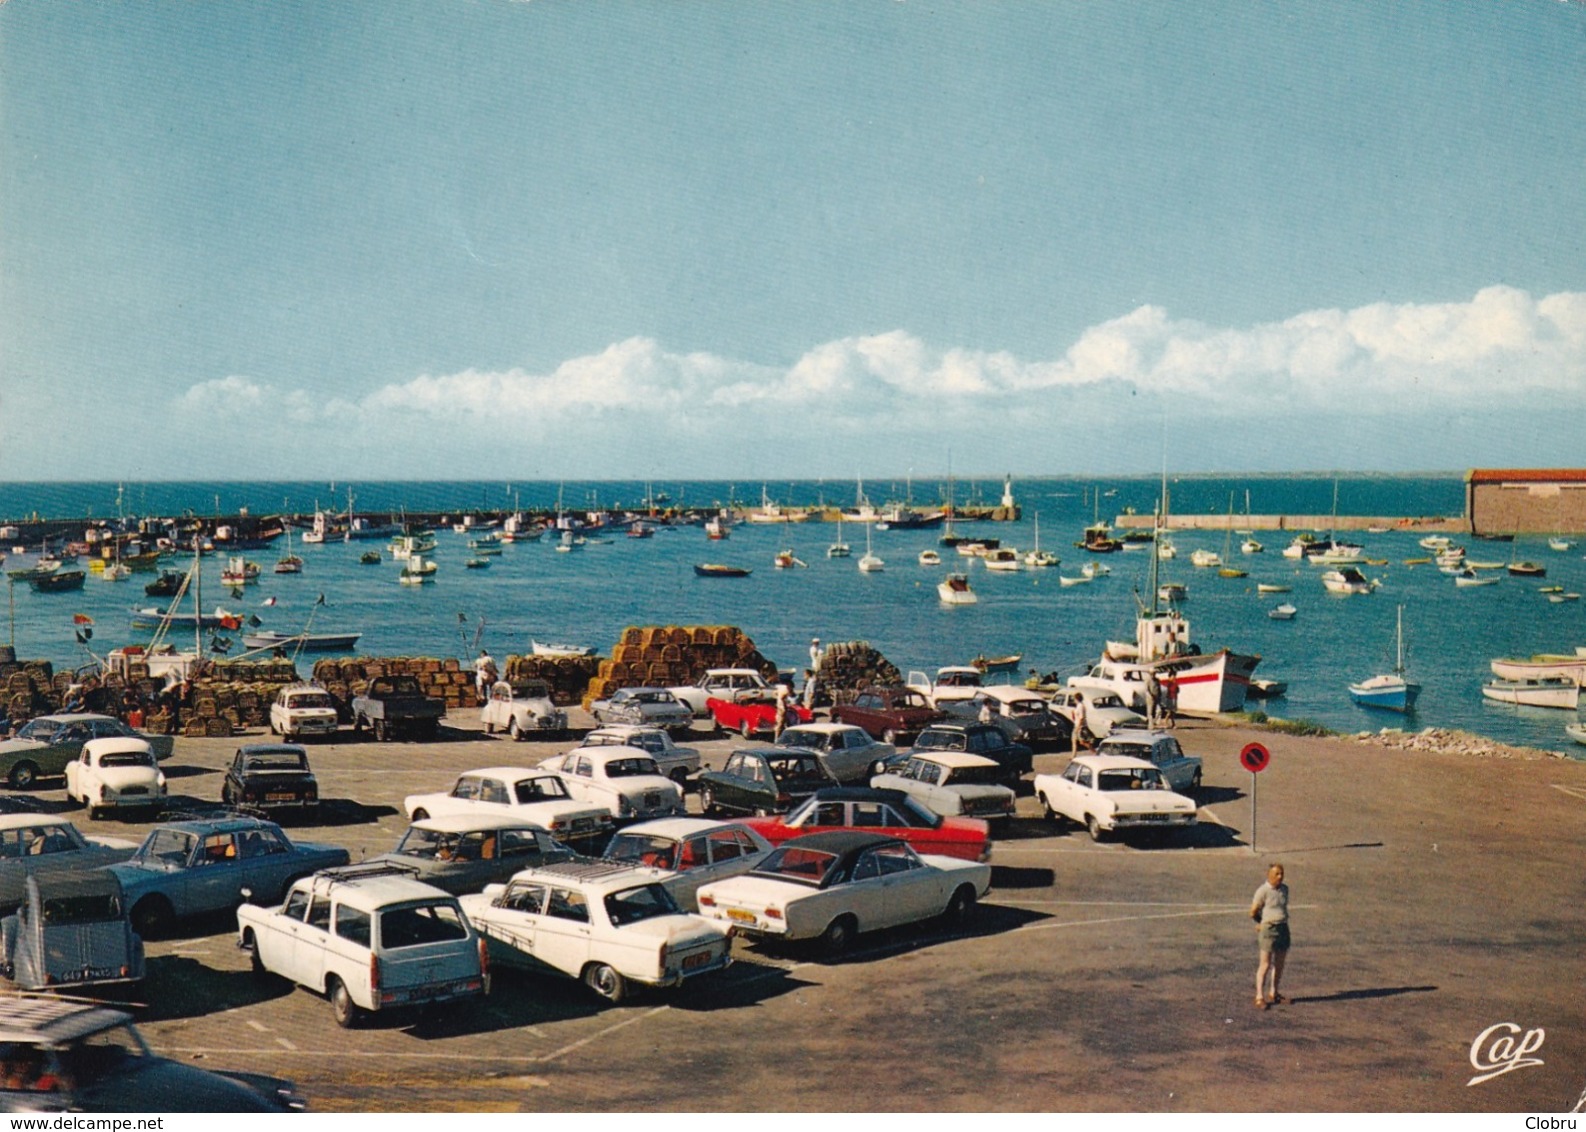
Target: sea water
column 531, row 592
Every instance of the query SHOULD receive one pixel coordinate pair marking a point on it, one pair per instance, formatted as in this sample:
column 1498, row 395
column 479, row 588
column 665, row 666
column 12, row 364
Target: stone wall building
column 1526, row 500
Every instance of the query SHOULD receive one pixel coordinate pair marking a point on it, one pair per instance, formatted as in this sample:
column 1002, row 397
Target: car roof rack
column 366, row 870
column 591, row 868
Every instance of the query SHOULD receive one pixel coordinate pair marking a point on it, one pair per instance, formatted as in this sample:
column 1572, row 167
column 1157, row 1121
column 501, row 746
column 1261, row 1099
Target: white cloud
column 1384, row 359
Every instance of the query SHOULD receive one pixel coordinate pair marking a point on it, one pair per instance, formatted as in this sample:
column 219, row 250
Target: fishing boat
column 152, row 617
column 787, row 560
column 1004, row 560
column 839, row 549
column 1527, row 570
column 1576, row 732
column 239, row 572
column 1347, row 581
column 990, row 664
column 1165, row 548
column 370, row 558
column 717, row 570
column 58, row 581
column 166, row 584
column 1282, row 612
column 408, row 546
column 1560, row 544
column 477, row 564
column 1542, row 666
column 1205, row 559
column 1389, row 691
column 954, row 590
column 1264, row 689
column 1095, row 569
column 304, row 642
column 1272, row 588
column 1251, row 546
column 930, row 558
column 1554, row 692
column 417, row 571
column 1037, row 558
column 641, row 530
column 716, row 529
column 1065, row 580
column 559, row 650
column 870, row 563
column 1467, row 578
column 769, row 512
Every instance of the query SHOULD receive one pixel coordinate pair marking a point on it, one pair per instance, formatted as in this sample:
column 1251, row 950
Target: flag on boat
column 82, row 619
column 269, row 601
column 230, row 622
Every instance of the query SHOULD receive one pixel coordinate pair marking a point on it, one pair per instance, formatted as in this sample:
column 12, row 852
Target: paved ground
column 1435, row 896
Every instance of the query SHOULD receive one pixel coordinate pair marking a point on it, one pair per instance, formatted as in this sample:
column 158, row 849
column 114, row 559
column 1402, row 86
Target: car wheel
column 605, row 981
column 960, row 907
column 762, row 812
column 1050, row 814
column 274, row 730
column 837, row 937
column 23, row 775
column 1195, row 783
column 490, row 728
column 1094, row 826
column 890, row 735
column 255, row 964
column 95, row 813
column 420, row 814
column 382, row 731
column 227, row 796
column 707, row 801
column 746, row 729
column 151, row 916
column 680, row 776
column 515, row 731
column 341, row 1004
column 877, row 767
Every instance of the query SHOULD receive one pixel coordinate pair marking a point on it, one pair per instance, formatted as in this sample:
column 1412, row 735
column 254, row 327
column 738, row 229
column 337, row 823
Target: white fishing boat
column 1205, row 558
column 1038, row 558
column 1282, row 612
column 1542, row 666
column 1251, row 546
column 1347, row 581
column 417, row 571
column 289, row 563
column 306, row 642
column 1560, row 544
column 769, row 512
column 239, row 572
column 1561, row 598
column 1467, row 578
column 954, row 590
column 1172, row 592
column 559, row 650
column 1095, row 569
column 1003, row 559
column 870, row 564
column 1435, row 543
column 1549, row 693
column 1389, row 691
column 1272, row 588
column 787, row 560
column 930, row 558
column 839, row 549
column 716, row 529
column 407, row 546
column 1165, row 548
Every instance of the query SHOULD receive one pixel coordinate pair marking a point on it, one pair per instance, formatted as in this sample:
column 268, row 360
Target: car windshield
column 1031, row 706
column 531, row 691
column 940, row 741
column 401, row 686
column 794, row 773
column 974, row 775
column 652, row 697
column 90, row 908
column 127, row 758
column 797, row 737
column 643, row 848
column 1135, row 750
column 794, row 862
column 645, row 902
column 310, row 700
column 631, row 768
column 428, row 844
column 1111, row 699
column 1130, row 778
column 539, row 789
column 958, row 679
column 40, row 729
column 413, row 925
column 277, row 760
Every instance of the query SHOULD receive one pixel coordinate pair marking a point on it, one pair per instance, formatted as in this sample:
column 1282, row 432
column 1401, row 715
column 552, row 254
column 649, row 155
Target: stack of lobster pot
column 671, row 655
column 846, row 667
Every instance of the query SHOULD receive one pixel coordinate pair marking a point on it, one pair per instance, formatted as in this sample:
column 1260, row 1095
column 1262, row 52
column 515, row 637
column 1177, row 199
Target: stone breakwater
column 1449, row 742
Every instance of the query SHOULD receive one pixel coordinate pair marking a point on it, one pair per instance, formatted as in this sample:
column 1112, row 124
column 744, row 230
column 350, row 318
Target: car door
column 311, row 941
column 277, row 943
column 912, row 888
column 213, row 878
column 562, row 933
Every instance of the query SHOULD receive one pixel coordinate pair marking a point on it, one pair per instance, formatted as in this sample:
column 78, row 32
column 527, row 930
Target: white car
column 299, row 710
column 534, row 795
column 522, row 709
column 1112, row 793
column 831, row 886
column 1128, row 681
column 952, row 783
column 1161, row 749
column 953, row 682
column 690, row 852
column 607, row 924
column 625, row 780
column 115, row 774
column 677, row 763
column 369, row 938
column 721, row 684
column 1104, row 711
column 848, row 752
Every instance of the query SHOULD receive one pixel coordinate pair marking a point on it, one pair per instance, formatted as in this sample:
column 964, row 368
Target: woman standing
column 1270, row 910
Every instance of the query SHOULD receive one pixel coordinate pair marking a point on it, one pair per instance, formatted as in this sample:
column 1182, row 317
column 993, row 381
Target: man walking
column 1269, row 908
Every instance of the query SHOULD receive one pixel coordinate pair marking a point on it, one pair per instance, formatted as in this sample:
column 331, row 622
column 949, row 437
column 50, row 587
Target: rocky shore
column 1446, row 741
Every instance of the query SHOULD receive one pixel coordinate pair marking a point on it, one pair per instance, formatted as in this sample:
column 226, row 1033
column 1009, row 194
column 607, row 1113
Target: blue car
column 189, row 868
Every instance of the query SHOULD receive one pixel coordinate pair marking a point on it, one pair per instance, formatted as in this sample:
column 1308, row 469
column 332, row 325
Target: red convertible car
column 890, row 812
column 749, row 717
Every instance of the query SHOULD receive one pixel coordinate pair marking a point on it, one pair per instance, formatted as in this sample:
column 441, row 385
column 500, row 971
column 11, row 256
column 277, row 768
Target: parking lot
column 1435, row 896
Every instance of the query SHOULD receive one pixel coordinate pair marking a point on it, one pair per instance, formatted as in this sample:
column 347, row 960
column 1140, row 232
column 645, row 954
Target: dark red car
column 889, row 714
column 891, row 812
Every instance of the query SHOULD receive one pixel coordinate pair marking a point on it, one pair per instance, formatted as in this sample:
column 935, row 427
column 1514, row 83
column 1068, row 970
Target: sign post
column 1254, row 758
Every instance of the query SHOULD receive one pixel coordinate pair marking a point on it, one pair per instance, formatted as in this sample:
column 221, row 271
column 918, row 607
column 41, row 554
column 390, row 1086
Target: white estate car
column 115, row 774
column 847, row 751
column 677, row 763
column 1161, row 749
column 625, row 780
column 689, row 852
column 303, row 709
column 534, row 795
column 369, row 938
column 951, row 783
column 1107, row 793
column 522, row 709
column 831, row 886
column 1104, row 711
column 607, row 924
column 721, row 684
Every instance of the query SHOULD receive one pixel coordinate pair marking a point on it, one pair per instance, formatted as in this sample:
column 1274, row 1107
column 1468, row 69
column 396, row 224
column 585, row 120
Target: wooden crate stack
column 666, row 655
column 232, row 696
column 441, row 678
column 847, row 667
column 29, row 689
column 568, row 676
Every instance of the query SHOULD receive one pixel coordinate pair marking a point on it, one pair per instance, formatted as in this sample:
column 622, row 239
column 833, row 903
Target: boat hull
column 1563, row 695
column 1390, row 695
column 1217, row 682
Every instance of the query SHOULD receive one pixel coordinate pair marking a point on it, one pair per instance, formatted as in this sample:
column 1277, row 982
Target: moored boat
column 1553, row 692
column 1389, row 691
column 1283, row 612
column 1347, row 581
column 954, row 590
column 1543, row 666
column 1003, row 559
column 559, row 649
column 930, row 558
column 307, row 642
column 58, row 581
column 718, row 570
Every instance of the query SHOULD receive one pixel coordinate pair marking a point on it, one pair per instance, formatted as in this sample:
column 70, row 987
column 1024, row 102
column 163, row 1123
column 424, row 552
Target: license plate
column 740, row 916
column 280, row 797
column 699, row 959
column 652, row 799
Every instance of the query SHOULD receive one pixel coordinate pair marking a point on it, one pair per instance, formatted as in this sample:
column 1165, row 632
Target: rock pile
column 1446, row 741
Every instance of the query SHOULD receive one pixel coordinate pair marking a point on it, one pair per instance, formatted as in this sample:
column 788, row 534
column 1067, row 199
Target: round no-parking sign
column 1254, row 757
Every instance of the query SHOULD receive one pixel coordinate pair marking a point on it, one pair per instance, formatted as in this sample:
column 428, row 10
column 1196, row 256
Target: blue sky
column 545, row 239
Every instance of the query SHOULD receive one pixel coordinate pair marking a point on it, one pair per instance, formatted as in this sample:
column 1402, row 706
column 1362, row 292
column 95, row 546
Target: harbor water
column 586, row 597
